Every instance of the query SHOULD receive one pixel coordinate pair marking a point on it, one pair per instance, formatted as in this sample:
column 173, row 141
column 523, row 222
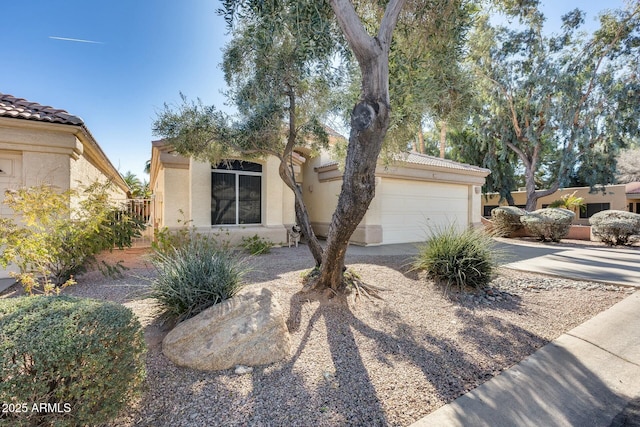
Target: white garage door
column 409, row 209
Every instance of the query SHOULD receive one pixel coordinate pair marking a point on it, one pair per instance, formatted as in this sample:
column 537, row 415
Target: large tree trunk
column 369, row 123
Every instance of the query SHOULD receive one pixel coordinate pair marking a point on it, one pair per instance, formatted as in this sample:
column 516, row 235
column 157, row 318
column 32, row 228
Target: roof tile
column 20, row 108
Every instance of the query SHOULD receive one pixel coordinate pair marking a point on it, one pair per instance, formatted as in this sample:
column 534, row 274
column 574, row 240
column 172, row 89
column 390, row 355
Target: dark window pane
column 250, row 197
column 239, row 165
column 594, row 208
column 223, row 198
column 488, row 209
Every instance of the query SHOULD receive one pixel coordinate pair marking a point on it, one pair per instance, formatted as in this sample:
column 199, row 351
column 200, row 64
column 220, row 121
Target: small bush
column 256, row 245
column 549, row 224
column 460, row 258
column 506, row 220
column 195, row 276
column 616, row 227
column 87, row 356
column 55, row 238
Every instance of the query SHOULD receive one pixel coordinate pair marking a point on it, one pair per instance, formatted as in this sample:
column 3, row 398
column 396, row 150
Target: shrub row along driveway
column 596, row 263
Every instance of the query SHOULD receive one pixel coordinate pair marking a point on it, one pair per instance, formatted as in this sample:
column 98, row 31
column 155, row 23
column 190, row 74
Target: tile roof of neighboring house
column 20, row 108
column 632, row 188
column 423, row 159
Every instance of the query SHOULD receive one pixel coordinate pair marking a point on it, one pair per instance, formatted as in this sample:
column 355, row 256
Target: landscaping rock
column 248, row 329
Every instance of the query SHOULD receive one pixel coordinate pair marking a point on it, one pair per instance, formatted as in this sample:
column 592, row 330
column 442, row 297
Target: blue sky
column 136, row 55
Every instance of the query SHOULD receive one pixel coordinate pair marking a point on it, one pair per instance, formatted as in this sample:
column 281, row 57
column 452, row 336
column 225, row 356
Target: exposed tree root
column 351, row 287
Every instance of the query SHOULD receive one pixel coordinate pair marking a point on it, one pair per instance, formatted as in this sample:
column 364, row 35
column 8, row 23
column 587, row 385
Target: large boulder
column 248, row 329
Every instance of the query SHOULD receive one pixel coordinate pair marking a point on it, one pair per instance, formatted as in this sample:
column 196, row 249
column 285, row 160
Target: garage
column 409, row 209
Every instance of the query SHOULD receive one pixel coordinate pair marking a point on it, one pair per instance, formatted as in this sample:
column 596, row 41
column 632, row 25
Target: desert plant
column 549, row 224
column 84, row 357
column 506, row 220
column 616, row 227
column 458, row 258
column 256, row 245
column 570, row 202
column 56, row 235
column 195, row 276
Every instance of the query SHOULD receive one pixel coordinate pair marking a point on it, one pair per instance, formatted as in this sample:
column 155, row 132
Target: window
column 593, row 208
column 487, row 210
column 236, row 193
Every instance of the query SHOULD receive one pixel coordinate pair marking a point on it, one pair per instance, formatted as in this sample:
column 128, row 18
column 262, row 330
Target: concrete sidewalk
column 596, row 263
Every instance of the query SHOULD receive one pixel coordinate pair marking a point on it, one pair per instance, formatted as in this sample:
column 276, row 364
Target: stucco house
column 239, row 198
column 44, row 145
column 622, row 197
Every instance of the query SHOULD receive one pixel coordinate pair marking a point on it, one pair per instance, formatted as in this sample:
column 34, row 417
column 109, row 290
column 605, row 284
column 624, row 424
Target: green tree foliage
column 281, row 69
column 139, row 189
column 557, row 106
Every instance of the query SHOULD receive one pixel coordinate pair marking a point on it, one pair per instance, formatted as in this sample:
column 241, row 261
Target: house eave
column 414, row 172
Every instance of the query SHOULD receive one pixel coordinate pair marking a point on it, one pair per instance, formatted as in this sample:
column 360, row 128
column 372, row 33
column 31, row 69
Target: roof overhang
column 84, row 144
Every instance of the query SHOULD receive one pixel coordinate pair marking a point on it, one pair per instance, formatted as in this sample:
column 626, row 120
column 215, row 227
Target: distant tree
column 556, row 104
column 628, row 164
column 139, row 189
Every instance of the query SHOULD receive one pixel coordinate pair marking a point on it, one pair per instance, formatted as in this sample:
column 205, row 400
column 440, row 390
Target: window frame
column 231, row 170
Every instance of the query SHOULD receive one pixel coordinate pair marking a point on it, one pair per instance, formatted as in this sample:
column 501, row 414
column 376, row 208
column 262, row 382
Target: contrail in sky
column 74, row 40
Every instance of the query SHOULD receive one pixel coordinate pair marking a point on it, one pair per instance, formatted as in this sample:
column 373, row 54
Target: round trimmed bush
column 506, row 220
column 549, row 224
column 616, row 227
column 195, row 276
column 461, row 258
column 80, row 361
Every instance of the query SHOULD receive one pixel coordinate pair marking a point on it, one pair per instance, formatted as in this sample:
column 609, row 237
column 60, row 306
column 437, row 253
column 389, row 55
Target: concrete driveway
column 596, row 263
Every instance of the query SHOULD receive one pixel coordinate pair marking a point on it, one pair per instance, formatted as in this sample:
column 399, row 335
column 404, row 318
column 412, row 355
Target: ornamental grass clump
column 195, row 276
column 79, row 361
column 506, row 220
column 465, row 258
column 615, row 227
column 549, row 224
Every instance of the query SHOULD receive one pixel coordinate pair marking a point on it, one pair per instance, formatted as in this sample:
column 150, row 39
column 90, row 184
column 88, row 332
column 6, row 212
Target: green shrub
column 549, row 224
column 616, row 227
column 195, row 276
column 86, row 356
column 57, row 235
column 460, row 258
column 506, row 220
column 256, row 245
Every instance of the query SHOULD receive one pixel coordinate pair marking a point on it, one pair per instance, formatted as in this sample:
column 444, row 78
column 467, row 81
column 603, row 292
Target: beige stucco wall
column 53, row 154
column 180, row 183
column 615, row 195
column 409, row 199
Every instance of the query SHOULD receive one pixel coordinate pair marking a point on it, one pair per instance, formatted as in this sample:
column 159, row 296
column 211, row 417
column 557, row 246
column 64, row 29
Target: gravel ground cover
column 386, row 362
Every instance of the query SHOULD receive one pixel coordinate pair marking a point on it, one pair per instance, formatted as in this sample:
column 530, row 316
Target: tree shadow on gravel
column 442, row 361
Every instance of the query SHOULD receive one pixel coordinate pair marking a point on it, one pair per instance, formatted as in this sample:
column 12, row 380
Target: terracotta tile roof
column 19, row 108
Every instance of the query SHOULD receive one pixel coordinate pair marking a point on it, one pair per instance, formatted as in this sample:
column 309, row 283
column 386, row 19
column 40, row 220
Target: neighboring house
column 45, row 145
column 623, row 197
column 416, row 194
